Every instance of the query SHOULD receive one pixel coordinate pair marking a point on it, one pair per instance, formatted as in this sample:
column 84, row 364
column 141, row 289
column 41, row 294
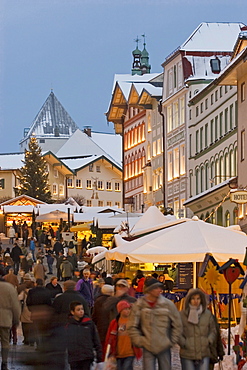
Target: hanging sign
column 239, row 196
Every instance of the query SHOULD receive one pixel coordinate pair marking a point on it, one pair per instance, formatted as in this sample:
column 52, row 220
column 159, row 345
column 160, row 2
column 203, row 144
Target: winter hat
column 107, row 289
column 122, row 282
column 27, row 277
column 122, row 305
column 7, row 255
column 151, row 284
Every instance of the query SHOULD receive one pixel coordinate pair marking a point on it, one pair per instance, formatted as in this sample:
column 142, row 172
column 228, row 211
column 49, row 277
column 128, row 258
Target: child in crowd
column 119, row 340
column 82, row 339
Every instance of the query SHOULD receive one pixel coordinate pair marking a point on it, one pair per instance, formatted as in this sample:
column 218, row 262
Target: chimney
column 88, row 130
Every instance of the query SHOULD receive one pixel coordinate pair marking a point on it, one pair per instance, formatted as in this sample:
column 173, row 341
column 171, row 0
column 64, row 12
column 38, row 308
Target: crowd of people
column 96, row 316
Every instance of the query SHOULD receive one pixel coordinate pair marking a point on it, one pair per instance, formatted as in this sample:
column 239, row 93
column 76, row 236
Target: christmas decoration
column 34, row 174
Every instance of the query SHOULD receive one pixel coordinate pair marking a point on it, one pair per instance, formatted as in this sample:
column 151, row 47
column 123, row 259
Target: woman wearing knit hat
column 120, row 343
column 199, row 332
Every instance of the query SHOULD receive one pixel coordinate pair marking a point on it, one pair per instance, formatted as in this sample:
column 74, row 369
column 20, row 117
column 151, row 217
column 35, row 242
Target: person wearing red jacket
column 120, row 343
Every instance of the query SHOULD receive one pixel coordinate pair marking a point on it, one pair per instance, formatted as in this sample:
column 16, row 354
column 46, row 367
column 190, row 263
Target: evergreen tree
column 34, row 175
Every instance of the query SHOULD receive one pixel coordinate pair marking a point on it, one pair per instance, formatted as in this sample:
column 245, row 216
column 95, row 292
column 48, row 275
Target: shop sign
column 239, row 196
column 185, row 275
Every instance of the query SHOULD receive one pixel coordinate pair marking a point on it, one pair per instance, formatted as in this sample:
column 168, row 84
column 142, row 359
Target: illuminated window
column 170, row 175
column 70, row 183
column 100, row 203
column 108, row 185
column 175, row 114
column 149, row 123
column 176, row 162
column 169, row 118
column 78, row 183
column 154, row 149
column 89, row 203
column 54, row 189
column 117, row 186
column 117, row 204
column 89, row 184
column 100, row 185
column 182, row 160
column 109, row 204
column 61, row 190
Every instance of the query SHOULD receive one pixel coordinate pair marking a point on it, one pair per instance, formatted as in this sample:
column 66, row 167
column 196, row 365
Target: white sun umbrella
column 53, row 216
column 95, row 250
column 185, row 242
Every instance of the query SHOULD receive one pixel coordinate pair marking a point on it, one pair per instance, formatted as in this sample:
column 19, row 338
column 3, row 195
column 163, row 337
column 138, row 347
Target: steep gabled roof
column 52, row 117
column 80, row 145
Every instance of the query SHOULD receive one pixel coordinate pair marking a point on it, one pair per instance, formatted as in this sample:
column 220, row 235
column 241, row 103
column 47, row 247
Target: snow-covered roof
column 201, row 67
column 213, row 37
column 11, row 161
column 81, row 145
column 18, row 209
column 152, row 90
column 110, row 143
column 78, row 145
column 46, row 208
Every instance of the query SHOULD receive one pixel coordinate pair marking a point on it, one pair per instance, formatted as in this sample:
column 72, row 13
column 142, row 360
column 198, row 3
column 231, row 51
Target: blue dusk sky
column 76, row 47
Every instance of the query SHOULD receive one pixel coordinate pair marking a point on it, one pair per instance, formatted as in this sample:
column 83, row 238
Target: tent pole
column 194, row 275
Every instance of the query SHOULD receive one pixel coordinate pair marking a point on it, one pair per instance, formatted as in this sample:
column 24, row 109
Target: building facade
column 186, row 71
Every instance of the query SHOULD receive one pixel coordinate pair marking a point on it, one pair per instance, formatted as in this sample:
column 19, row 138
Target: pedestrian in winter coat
column 155, row 326
column 100, row 315
column 15, row 255
column 39, row 270
column 50, row 260
column 32, row 248
column 120, row 343
column 10, row 313
column 62, row 302
column 54, row 287
column 66, row 269
column 82, row 339
column 85, row 288
column 199, row 332
column 11, row 234
column 121, row 294
column 11, row 278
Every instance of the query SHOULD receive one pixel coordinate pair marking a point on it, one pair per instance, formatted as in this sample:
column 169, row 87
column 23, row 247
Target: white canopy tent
column 185, row 242
column 153, row 220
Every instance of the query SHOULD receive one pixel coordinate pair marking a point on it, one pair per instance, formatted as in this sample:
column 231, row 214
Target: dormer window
column 215, row 65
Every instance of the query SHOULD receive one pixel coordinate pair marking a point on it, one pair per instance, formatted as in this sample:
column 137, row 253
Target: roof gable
column 22, row 200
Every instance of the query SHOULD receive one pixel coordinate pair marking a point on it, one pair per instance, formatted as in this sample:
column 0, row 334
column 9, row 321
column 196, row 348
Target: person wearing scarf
column 199, row 332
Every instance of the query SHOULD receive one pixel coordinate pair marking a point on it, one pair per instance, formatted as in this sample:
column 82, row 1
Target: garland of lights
column 223, row 200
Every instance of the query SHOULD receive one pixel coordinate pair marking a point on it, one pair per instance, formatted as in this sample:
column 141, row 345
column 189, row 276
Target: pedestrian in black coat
column 62, row 302
column 15, row 255
column 82, row 339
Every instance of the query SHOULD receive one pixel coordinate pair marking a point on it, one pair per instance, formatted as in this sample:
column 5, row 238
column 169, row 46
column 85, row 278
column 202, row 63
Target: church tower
column 140, row 64
column 136, row 65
